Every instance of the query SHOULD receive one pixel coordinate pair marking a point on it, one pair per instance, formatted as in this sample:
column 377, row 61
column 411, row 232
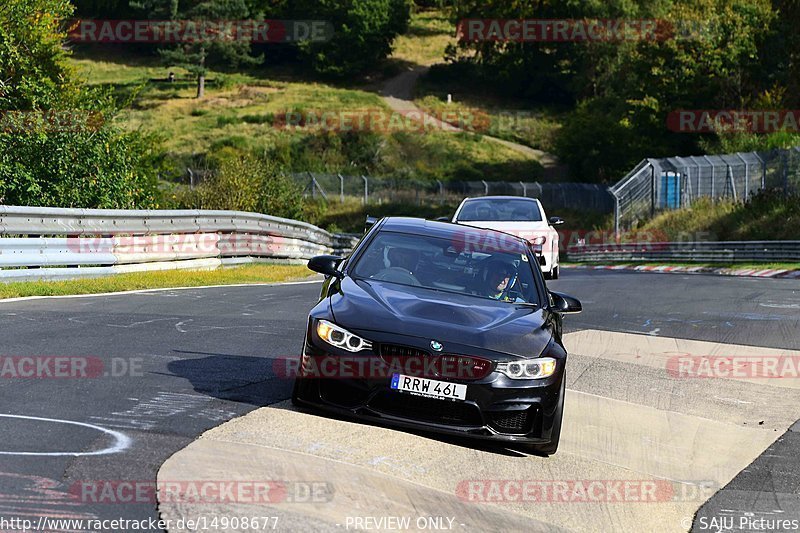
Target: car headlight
column 341, row 338
column 542, row 367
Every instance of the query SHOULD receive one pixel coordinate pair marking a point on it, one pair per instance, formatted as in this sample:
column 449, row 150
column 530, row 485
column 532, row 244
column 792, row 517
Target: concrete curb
column 746, row 272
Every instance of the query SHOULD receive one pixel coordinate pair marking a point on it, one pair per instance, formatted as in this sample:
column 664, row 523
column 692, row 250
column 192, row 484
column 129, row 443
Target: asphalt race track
column 175, row 363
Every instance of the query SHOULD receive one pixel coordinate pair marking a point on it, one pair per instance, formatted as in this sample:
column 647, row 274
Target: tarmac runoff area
column 653, row 427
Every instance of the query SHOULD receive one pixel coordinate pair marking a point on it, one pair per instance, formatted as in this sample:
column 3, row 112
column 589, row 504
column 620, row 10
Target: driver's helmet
column 498, row 277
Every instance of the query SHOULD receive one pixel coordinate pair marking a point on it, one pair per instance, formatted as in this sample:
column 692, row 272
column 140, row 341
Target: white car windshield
column 500, row 210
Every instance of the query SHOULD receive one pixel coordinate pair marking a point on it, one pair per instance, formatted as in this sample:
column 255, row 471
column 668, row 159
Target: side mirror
column 443, row 219
column 563, row 303
column 326, row 264
column 556, row 221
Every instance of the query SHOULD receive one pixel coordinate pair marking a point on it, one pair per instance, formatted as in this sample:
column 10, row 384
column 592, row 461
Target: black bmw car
column 440, row 327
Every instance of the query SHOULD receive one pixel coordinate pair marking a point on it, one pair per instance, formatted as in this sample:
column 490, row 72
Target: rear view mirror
column 563, row 303
column 327, row 265
column 556, row 221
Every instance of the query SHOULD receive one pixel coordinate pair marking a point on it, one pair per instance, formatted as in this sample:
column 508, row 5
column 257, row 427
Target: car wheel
column 548, row 275
column 551, row 447
column 555, row 272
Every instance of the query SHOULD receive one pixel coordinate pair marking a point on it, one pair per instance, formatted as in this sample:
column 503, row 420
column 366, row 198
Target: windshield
column 499, row 270
column 500, row 209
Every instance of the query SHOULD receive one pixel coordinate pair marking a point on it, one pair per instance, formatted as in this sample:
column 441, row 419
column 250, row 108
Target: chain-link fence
column 337, row 187
column 670, row 183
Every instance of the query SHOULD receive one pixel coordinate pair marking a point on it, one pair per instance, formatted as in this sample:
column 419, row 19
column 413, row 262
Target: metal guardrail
column 689, row 252
column 58, row 243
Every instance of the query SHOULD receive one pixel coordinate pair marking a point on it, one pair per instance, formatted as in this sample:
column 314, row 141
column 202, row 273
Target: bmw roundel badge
column 436, row 346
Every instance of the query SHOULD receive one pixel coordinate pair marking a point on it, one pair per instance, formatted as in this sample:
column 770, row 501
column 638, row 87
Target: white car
column 520, row 216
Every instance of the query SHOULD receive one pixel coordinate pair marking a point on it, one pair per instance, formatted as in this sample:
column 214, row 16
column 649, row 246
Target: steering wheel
column 397, row 275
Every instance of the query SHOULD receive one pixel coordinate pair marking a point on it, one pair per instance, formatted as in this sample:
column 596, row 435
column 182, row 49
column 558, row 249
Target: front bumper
column 496, row 407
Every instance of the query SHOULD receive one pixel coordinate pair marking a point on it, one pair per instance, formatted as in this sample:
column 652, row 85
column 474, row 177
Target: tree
column 195, row 55
column 58, row 143
column 363, row 32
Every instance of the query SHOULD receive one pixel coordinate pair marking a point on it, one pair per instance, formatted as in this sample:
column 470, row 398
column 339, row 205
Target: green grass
column 156, row 280
column 429, row 33
column 239, row 111
column 767, row 216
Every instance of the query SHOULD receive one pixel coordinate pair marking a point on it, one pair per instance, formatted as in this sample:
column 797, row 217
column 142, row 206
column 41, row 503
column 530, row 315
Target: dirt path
column 398, row 93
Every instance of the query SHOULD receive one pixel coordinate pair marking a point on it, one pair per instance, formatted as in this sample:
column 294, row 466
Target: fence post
column 730, row 181
column 746, row 176
column 341, row 189
column 785, row 171
column 441, row 190
column 313, row 186
column 763, row 170
column 653, row 190
column 485, row 188
column 366, row 189
column 616, row 216
column 524, row 189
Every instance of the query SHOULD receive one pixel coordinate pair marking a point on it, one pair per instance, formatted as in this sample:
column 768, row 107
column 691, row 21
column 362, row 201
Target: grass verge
column 156, row 280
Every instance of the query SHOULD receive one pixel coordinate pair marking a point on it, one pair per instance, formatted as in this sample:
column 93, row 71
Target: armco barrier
column 688, row 252
column 58, row 243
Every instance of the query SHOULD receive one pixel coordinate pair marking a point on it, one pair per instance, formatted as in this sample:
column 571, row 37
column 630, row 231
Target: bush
column 244, row 182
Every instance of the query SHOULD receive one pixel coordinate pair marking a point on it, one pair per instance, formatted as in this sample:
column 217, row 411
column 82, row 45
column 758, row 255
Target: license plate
column 429, row 387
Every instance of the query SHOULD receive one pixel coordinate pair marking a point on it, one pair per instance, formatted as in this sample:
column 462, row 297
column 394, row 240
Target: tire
column 555, row 272
column 296, row 393
column 551, row 447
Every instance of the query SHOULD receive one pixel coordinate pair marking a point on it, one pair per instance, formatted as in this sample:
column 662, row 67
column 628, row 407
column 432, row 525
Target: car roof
column 434, row 228
column 477, row 198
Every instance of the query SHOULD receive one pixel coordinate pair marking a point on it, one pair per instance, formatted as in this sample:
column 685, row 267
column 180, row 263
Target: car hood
column 369, row 305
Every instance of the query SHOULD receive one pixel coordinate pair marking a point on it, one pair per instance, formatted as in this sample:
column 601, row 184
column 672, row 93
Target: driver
column 500, row 278
column 404, row 258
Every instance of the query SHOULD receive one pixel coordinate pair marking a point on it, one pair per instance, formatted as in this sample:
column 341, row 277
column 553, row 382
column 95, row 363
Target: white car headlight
column 341, row 338
column 542, row 367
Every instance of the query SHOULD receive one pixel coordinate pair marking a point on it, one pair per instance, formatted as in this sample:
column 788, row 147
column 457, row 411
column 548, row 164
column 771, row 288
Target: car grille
column 447, row 366
column 513, row 421
column 427, row 409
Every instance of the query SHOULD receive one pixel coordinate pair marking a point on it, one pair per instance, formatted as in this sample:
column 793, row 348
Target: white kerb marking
column 121, row 441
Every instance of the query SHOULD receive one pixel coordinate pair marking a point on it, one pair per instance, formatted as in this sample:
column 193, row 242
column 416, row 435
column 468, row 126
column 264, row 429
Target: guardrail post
column 524, row 189
column 341, row 189
column 366, row 189
column 485, row 188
